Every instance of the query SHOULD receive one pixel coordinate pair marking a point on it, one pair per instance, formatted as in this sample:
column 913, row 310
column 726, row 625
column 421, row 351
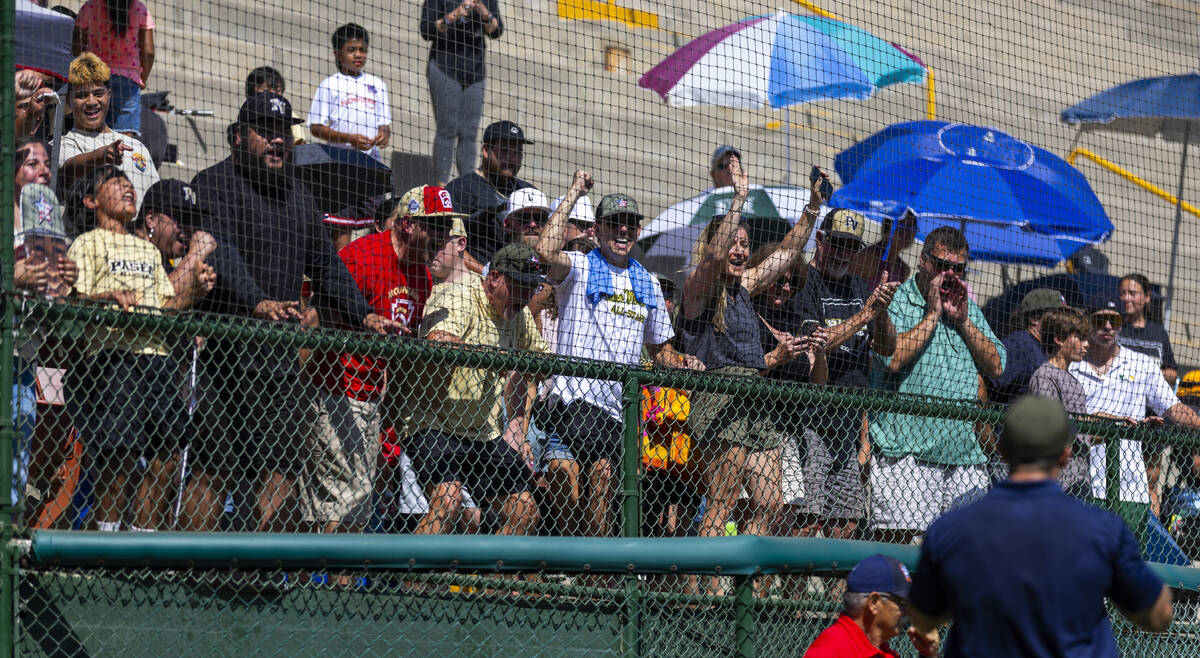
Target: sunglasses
column 529, row 218
column 1101, row 319
column 795, row 281
column 940, row 265
column 902, row 603
column 845, row 246
column 628, row 221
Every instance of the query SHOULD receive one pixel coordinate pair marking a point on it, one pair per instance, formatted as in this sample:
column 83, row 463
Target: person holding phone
column 854, row 317
column 923, row 466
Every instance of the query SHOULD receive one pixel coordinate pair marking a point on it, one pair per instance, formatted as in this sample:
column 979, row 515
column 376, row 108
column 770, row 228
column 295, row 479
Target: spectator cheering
column 736, row 444
column 91, row 144
column 922, row 466
column 525, row 216
column 884, row 256
column 1121, row 383
column 457, row 77
column 124, row 399
column 392, row 271
column 1064, row 336
column 269, row 235
column 1024, row 346
column 855, row 316
column 1140, row 333
column 471, row 428
column 582, row 222
column 874, row 606
column 1051, row 560
column 120, row 32
column 609, row 307
column 351, row 107
column 32, row 97
column 170, row 219
column 483, row 193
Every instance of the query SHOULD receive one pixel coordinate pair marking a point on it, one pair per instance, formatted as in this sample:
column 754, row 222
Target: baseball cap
column 880, row 573
column 1035, row 428
column 719, row 154
column 1089, row 260
column 1190, row 386
column 267, row 106
column 519, row 261
column 41, row 213
column 1042, row 299
column 429, row 202
column 504, row 130
column 617, row 204
column 457, row 228
column 843, row 223
column 583, row 212
column 524, row 198
column 1104, row 301
column 175, row 198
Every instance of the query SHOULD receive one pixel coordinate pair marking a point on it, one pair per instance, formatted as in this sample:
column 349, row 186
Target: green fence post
column 743, row 616
column 631, row 507
column 8, row 105
column 1112, row 473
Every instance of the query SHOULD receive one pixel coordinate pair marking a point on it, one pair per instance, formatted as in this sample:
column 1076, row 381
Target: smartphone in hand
column 826, row 184
column 808, row 326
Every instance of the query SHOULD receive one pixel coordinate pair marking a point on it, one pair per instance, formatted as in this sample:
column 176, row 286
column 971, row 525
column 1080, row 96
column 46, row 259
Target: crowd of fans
column 333, row 441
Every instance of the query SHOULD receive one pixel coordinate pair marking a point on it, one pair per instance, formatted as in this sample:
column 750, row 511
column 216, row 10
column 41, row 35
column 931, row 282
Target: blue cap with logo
column 880, row 573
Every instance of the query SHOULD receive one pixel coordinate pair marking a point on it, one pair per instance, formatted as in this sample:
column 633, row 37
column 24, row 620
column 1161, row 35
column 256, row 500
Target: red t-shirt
column 394, row 291
column 845, row 639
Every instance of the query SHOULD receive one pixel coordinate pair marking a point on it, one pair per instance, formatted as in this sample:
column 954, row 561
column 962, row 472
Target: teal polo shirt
column 943, row 369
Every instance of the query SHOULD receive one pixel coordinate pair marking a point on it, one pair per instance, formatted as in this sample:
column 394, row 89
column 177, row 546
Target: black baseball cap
column 267, row 106
column 1105, row 302
column 175, row 198
column 504, row 130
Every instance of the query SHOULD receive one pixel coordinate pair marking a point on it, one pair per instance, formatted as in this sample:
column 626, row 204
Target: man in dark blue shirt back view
column 1024, row 571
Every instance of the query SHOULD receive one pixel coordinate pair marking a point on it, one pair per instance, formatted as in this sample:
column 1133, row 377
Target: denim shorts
column 125, row 106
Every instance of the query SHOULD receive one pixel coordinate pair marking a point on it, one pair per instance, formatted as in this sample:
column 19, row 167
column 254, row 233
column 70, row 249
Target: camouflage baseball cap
column 519, row 261
column 617, row 204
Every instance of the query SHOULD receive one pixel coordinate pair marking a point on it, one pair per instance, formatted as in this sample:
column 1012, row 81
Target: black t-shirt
column 831, row 302
column 458, row 52
column 1150, row 340
column 787, row 416
column 474, row 195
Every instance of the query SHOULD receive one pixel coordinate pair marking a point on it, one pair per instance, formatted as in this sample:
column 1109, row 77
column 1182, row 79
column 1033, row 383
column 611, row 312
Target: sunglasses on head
column 940, row 265
column 1101, row 319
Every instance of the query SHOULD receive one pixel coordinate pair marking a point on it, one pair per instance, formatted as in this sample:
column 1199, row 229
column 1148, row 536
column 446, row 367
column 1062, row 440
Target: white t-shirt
column 1133, row 382
column 614, row 330
column 352, row 105
column 136, row 164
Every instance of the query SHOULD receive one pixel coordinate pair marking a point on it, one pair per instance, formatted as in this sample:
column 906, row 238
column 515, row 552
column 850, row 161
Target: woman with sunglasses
column 736, row 444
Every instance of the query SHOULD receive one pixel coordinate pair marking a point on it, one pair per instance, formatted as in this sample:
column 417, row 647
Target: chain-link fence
column 302, row 269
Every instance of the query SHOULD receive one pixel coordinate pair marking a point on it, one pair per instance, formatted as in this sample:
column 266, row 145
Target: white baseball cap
column 583, row 211
column 524, row 198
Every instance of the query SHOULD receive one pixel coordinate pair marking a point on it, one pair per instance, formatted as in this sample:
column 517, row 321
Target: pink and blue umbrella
column 780, row 60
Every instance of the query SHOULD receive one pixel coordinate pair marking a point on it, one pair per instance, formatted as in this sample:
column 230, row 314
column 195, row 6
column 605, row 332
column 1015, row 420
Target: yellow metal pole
column 817, row 10
column 930, row 97
column 1133, row 178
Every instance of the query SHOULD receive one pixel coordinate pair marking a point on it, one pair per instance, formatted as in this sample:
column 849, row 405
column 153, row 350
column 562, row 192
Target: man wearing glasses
column 609, row 307
column 874, row 608
column 856, row 319
column 1120, row 383
column 922, row 466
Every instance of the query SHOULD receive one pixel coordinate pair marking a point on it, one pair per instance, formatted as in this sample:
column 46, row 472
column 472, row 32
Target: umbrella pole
column 1187, row 129
column 787, row 145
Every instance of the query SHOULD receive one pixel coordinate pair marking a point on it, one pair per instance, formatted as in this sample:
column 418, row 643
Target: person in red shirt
column 391, row 269
column 874, row 607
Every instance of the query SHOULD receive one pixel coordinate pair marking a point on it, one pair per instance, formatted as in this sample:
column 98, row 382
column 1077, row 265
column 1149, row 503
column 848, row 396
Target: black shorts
column 121, row 400
column 487, row 468
column 590, row 432
column 249, row 422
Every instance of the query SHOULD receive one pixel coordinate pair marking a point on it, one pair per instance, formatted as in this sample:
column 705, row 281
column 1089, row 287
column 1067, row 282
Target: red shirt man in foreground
column 875, row 604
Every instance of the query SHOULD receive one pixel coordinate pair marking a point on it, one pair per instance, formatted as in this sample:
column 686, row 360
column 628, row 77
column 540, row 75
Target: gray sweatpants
column 457, row 110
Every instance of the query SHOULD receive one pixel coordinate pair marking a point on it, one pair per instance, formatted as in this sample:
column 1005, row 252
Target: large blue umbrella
column 1016, row 202
column 1167, row 106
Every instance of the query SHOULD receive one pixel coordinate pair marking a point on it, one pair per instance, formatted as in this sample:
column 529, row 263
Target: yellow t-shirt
column 110, row 261
column 471, row 404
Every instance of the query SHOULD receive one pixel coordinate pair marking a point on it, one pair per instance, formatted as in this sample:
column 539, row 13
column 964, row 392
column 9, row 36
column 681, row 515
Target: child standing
column 351, row 107
column 121, row 32
column 124, row 398
column 1065, row 339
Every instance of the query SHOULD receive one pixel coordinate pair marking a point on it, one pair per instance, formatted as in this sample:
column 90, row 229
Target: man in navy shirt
column 1024, row 347
column 1024, row 571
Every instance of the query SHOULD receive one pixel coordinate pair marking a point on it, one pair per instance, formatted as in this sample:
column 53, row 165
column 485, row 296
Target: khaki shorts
column 343, row 446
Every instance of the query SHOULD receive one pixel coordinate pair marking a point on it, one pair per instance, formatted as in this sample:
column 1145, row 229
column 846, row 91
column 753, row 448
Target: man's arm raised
column 550, row 245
